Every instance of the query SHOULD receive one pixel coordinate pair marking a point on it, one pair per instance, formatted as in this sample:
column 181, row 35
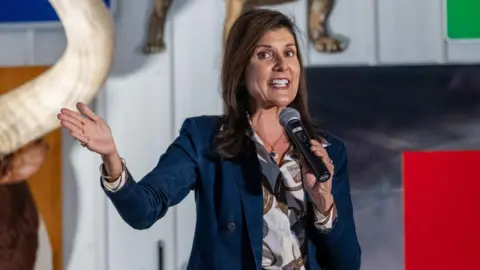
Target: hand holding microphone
column 317, row 167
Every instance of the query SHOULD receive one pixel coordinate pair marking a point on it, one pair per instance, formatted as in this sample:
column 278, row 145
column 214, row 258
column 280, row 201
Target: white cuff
column 118, row 184
column 323, row 222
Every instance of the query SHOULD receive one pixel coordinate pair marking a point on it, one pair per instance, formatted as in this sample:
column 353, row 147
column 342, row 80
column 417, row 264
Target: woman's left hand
column 319, row 192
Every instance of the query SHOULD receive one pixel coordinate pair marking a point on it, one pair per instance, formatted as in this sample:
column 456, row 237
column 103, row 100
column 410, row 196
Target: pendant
column 273, row 154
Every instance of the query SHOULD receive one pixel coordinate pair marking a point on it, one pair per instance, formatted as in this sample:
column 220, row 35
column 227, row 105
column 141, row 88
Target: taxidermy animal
column 19, row 218
column 318, row 15
column 29, row 111
column 156, row 27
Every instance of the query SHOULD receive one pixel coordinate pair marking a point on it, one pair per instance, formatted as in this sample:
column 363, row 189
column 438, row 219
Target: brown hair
column 242, row 39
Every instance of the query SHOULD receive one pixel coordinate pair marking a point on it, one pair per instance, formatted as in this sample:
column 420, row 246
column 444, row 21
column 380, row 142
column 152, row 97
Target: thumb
column 304, row 166
column 309, row 179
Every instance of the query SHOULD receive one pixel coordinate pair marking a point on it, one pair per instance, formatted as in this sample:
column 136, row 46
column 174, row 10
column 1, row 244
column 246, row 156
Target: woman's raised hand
column 89, row 129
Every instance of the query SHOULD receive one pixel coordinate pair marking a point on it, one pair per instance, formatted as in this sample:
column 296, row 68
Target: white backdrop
column 146, row 99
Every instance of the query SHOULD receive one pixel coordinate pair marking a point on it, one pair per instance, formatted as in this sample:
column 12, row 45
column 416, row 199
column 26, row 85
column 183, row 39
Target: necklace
column 272, row 151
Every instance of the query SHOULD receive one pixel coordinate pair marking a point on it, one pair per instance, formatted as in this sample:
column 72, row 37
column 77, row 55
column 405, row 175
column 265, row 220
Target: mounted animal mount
column 156, row 27
column 318, row 18
column 19, row 218
column 28, row 112
column 318, row 27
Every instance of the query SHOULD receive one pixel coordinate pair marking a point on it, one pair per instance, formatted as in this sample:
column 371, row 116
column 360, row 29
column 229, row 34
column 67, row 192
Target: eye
column 290, row 53
column 264, row 55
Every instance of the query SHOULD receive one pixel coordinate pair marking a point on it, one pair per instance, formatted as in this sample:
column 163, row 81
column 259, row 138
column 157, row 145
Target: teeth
column 279, row 82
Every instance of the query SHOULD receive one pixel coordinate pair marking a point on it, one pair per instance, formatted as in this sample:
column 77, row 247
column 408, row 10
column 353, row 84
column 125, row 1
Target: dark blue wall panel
column 28, row 11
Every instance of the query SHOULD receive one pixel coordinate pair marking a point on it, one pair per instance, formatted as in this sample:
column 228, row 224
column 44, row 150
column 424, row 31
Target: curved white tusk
column 29, row 111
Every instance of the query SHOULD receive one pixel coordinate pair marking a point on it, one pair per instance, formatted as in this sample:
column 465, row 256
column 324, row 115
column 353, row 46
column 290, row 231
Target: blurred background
column 409, row 79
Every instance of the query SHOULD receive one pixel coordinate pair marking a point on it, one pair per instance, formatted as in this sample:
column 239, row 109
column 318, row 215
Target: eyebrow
column 269, row 46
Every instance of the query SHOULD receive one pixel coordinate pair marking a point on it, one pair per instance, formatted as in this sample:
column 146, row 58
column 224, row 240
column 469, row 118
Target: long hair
column 242, row 39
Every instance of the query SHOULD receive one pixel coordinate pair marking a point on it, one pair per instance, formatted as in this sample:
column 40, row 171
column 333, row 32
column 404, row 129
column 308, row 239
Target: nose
column 280, row 65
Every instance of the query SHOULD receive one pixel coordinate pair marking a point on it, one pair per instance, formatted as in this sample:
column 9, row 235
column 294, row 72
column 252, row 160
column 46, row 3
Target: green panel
column 463, row 19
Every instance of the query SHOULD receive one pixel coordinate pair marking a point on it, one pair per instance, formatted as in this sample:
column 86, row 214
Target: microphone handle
column 301, row 140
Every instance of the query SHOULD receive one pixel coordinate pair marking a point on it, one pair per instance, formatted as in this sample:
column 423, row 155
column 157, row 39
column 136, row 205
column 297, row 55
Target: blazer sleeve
column 339, row 248
column 142, row 203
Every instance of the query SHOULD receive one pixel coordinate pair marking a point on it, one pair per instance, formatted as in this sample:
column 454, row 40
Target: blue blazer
column 229, row 203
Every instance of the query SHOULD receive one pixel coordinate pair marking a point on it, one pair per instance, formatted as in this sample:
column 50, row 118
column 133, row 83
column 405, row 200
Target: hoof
column 328, row 45
column 154, row 48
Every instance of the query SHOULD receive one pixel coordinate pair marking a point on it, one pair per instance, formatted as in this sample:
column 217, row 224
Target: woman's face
column 272, row 75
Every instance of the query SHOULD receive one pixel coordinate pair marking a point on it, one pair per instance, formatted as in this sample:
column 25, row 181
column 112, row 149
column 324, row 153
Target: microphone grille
column 288, row 114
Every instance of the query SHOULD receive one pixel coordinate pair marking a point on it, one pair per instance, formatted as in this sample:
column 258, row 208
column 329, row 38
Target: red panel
column 442, row 210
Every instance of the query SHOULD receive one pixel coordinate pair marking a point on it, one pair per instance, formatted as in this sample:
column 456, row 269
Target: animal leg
column 235, row 8
column 156, row 27
column 260, row 3
column 318, row 15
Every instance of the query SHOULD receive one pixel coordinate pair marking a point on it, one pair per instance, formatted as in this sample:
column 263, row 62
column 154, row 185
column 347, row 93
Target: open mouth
column 279, row 83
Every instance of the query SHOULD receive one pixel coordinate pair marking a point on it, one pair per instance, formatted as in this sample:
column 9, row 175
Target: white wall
column 147, row 98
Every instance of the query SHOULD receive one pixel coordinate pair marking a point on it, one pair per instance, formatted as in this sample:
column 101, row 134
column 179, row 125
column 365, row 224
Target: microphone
column 290, row 120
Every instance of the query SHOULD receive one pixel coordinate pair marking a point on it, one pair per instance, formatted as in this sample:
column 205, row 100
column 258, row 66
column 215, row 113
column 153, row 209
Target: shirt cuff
column 324, row 222
column 117, row 184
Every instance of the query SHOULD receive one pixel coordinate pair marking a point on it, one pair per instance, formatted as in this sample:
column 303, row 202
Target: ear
column 27, row 169
column 25, row 162
column 30, row 159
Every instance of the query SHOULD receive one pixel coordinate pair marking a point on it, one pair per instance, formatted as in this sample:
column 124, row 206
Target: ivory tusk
column 29, row 111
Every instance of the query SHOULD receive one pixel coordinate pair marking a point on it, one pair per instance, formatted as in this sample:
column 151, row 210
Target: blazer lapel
column 248, row 174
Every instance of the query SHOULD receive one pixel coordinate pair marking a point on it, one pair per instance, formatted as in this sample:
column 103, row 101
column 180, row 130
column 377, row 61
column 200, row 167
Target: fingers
column 83, row 108
column 76, row 122
column 320, row 151
column 79, row 137
column 78, row 118
column 75, row 131
column 74, row 117
column 71, row 126
column 66, row 117
column 310, row 182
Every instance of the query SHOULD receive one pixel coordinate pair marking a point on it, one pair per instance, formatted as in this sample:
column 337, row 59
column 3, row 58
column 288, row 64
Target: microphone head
column 288, row 114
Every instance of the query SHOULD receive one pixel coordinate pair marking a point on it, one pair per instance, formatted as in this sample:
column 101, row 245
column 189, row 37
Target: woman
column 255, row 208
